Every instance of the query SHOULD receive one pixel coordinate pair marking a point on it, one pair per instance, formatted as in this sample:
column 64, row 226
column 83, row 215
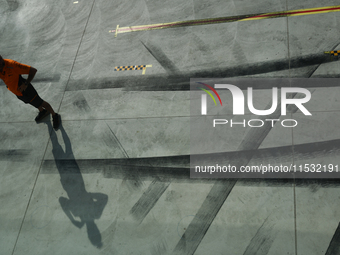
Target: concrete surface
column 114, row 179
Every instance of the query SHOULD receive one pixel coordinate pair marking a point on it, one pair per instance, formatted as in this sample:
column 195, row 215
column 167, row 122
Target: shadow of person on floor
column 80, row 203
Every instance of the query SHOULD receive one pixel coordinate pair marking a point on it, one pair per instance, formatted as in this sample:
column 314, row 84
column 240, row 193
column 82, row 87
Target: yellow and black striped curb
column 131, row 68
column 333, row 52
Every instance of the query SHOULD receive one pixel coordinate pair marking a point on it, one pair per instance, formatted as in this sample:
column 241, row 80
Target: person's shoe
column 41, row 115
column 56, row 121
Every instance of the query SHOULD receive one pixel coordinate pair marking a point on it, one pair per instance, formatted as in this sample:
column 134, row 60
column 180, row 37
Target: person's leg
column 48, row 107
column 31, row 96
column 40, row 108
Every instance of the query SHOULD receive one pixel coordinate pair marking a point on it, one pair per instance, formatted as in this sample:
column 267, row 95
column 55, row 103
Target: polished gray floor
column 114, row 179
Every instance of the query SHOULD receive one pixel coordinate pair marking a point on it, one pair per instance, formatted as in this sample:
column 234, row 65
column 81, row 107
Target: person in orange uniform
column 10, row 73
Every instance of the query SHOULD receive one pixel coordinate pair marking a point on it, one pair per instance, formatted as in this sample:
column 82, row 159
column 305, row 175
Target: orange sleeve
column 21, row 68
